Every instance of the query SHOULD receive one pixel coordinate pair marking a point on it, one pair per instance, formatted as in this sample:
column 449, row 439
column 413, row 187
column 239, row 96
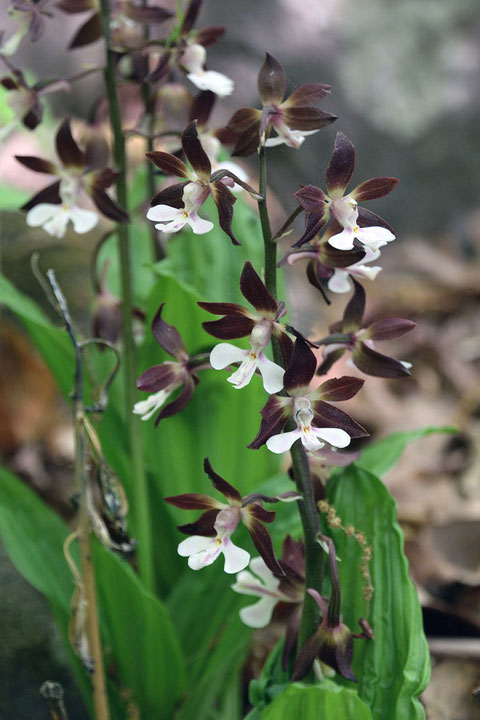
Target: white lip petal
column 272, row 374
column 241, row 377
column 343, row 240
column 224, row 354
column 259, row 614
column 193, row 58
column 198, row 224
column 83, row 220
column 375, row 237
column 41, row 213
column 163, row 213
column 257, row 566
column 334, row 436
column 339, row 282
column 236, row 558
column 220, row 84
column 194, row 544
column 283, row 442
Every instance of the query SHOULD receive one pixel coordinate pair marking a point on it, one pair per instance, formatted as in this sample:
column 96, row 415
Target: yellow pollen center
column 185, row 213
column 356, row 228
column 253, row 356
column 218, row 541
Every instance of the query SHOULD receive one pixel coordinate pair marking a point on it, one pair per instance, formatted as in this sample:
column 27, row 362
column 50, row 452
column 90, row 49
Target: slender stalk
column 140, row 500
column 100, row 698
column 314, row 557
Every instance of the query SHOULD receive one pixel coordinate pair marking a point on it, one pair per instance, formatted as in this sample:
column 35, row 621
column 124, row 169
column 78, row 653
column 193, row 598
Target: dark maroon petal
column 88, row 33
column 205, row 525
column 161, row 69
column 158, row 377
column 352, row 317
column 307, row 118
column 169, row 164
column 103, row 179
column 97, row 154
column 329, row 361
column 209, row 35
column 373, row 363
column 244, row 119
column 202, row 106
column 224, row 200
column 254, row 290
column 108, row 206
column 341, row 165
column 291, row 636
column 8, row 83
column 49, row 194
column 292, row 555
column 301, row 369
column 313, row 224
column 75, row 6
column 195, row 153
column 107, row 320
column 247, row 143
column 306, row 656
column 172, row 195
column 390, row 328
column 329, row 416
column 222, row 485
column 259, row 512
column 309, row 94
column 311, row 198
column 37, row 164
column 272, row 81
column 67, row 149
column 180, row 402
column 192, row 501
column 286, row 344
column 190, row 16
column 32, row 118
column 167, row 336
column 224, row 309
column 338, row 389
column 315, row 273
column 229, row 328
column 263, row 542
column 275, row 414
column 367, row 218
column 340, row 258
column 374, row 188
column 147, row 14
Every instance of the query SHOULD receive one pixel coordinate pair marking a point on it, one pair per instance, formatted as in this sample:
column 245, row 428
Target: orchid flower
column 292, row 119
column 210, row 535
column 162, row 380
column 239, row 322
column 356, row 223
column 193, row 59
column 30, row 19
column 178, row 204
column 79, row 173
column 348, row 334
column 317, row 421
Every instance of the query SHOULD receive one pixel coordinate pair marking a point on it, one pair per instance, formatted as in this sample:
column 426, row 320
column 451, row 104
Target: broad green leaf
column 326, row 701
column 380, row 457
column 142, row 643
column 394, row 668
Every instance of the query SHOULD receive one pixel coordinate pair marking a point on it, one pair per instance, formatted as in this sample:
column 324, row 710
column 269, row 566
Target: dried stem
column 140, row 499
column 84, row 531
column 314, row 556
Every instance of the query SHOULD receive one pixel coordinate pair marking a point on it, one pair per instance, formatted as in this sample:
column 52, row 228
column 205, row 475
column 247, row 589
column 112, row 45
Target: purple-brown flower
column 162, row 380
column 292, row 118
column 356, row 223
column 348, row 334
column 178, row 204
column 316, row 419
column 210, row 535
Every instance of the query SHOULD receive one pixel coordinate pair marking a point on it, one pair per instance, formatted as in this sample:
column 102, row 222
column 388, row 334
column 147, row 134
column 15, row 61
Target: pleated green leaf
column 327, row 701
column 394, row 668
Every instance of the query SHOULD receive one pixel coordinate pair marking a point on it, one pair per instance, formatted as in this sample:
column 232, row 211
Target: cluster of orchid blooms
column 340, row 241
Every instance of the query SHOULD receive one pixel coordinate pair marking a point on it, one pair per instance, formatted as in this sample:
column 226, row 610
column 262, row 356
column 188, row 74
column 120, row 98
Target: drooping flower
column 162, row 380
column 356, row 223
column 332, row 642
column 178, row 204
column 348, row 334
column 317, row 421
column 210, row 535
column 79, row 173
column 292, row 119
column 30, row 19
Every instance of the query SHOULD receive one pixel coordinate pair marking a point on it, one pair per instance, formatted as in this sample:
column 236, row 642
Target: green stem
column 140, row 499
column 314, row 557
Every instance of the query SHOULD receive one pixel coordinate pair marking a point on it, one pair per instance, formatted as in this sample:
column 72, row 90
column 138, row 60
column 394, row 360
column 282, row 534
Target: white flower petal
column 224, row 354
column 194, row 544
column 257, row 566
column 40, row 213
column 343, row 240
column 241, row 377
column 259, row 614
column 146, row 408
column 339, row 282
column 334, row 436
column 193, row 58
column 283, row 442
column 220, row 84
column 272, row 374
column 198, row 224
column 310, row 440
column 236, row 558
column 83, row 220
column 163, row 213
column 374, row 237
